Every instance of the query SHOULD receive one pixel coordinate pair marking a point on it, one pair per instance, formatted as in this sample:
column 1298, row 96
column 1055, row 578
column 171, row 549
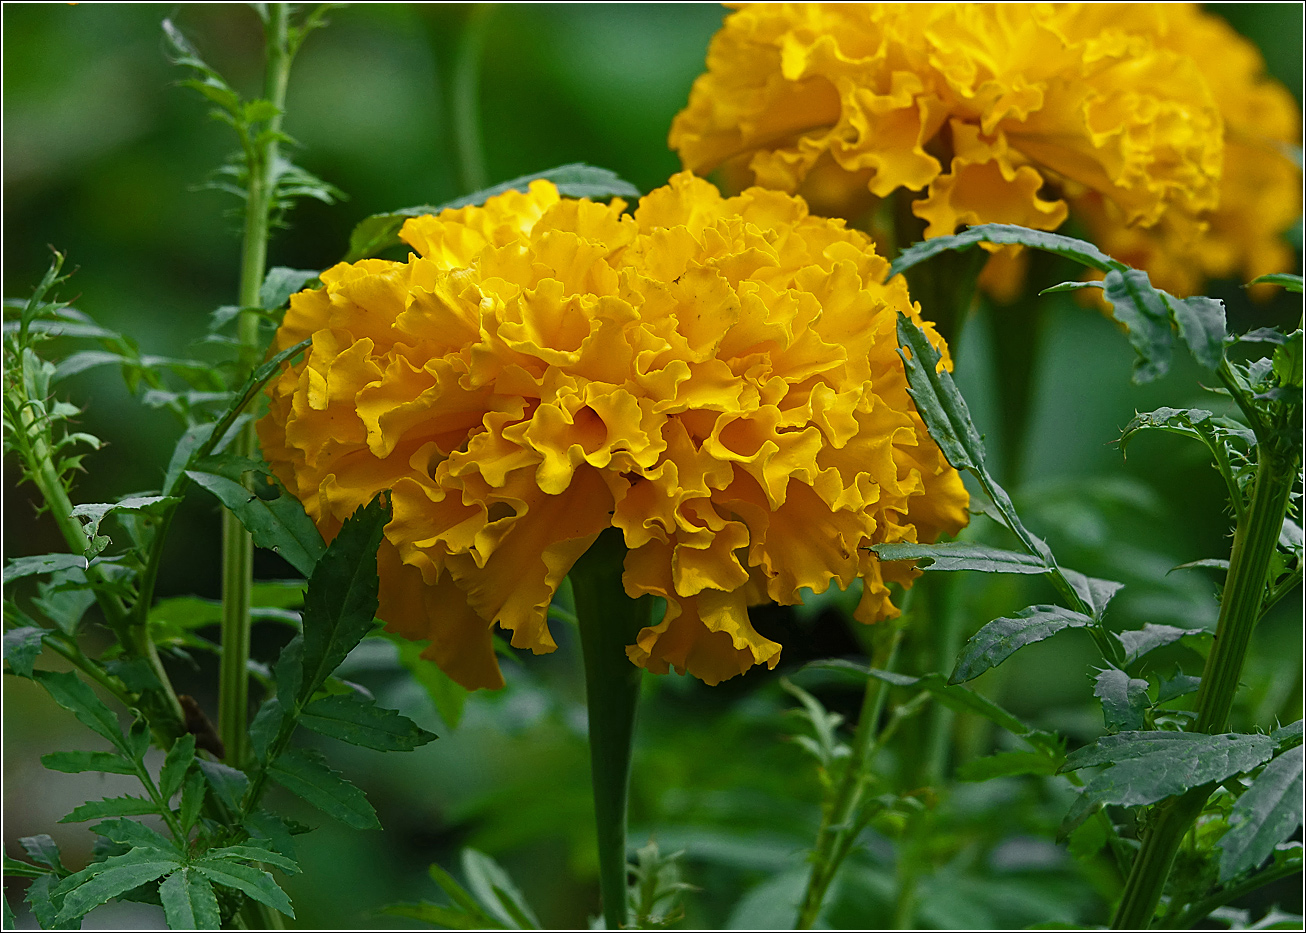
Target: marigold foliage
column 1154, row 122
column 715, row 377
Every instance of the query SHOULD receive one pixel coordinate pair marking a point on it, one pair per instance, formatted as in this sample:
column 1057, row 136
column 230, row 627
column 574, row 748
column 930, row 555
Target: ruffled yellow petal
column 717, row 378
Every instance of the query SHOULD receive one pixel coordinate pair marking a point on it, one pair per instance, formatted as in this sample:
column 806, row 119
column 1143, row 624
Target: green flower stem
column 609, row 621
column 948, row 646
column 1253, row 545
column 237, row 546
column 839, row 824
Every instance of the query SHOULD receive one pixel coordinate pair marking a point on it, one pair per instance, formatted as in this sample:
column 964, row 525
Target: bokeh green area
column 102, row 153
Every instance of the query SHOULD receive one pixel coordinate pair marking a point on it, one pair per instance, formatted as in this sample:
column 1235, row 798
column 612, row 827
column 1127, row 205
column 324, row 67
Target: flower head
column 717, row 378
column 1139, row 115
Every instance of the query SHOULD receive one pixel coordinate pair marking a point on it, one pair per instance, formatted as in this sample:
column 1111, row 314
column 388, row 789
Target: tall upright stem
column 237, row 546
column 1253, row 545
column 609, row 620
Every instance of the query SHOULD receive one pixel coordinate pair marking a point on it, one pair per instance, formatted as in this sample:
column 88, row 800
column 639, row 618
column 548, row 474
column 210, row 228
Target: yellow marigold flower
column 1008, row 113
column 715, row 377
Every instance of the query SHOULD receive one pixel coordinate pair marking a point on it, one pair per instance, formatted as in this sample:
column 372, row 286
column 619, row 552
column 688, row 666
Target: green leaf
column 257, row 884
column 39, row 898
column 111, row 806
column 175, row 766
column 1002, row 638
column 1142, row 309
column 265, row 727
column 1201, row 325
column 16, row 869
column 937, row 400
column 1291, row 282
column 381, row 231
column 94, row 513
column 1007, row 764
column 272, row 830
column 437, row 915
column 136, row 835
column 463, row 901
column 958, row 556
column 1124, row 699
column 280, row 284
column 1210, row 563
column 304, row 772
column 279, row 524
column 1139, row 642
column 116, row 875
column 496, row 891
column 341, row 601
column 228, row 783
column 1144, row 767
column 73, row 694
column 189, row 902
column 1287, row 737
column 188, row 447
column 1087, row 839
column 1180, row 684
column 256, row 854
column 1006, row 234
column 43, row 850
column 77, row 762
column 350, row 718
column 1287, row 362
column 1268, row 813
column 21, row 567
column 1096, row 593
column 1198, row 423
column 192, row 799
column 22, row 646
column 64, row 599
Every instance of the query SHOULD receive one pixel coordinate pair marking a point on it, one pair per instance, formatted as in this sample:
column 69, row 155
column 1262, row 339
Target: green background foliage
column 101, row 153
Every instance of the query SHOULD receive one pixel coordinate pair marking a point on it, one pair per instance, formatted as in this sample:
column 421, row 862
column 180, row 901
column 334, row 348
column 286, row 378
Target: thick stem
column 609, row 620
column 1253, row 545
column 237, row 546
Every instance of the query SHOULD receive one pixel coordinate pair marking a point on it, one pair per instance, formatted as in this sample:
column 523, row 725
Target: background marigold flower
column 1147, row 119
column 717, row 378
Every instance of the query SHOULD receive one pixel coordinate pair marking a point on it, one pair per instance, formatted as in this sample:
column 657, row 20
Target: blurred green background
column 101, row 155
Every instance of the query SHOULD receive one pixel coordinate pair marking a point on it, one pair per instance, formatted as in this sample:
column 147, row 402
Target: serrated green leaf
column 280, row 284
column 381, row 231
column 1138, row 642
column 1007, row 764
column 1202, row 326
column 1291, row 282
column 189, row 445
column 64, row 598
column 77, row 762
column 135, row 835
column 1010, row 235
column 21, row 567
column 189, row 902
column 1286, row 737
column 1180, row 684
column 1002, row 638
column 73, row 694
column 1210, row 563
column 257, row 884
column 192, row 799
column 350, row 718
column 1142, row 309
column 111, row 806
column 93, row 513
column 937, row 400
column 340, row 604
column 1196, row 423
column 304, row 772
column 43, row 850
column 39, row 898
column 495, row 890
column 278, row 524
column 954, row 555
column 14, row 868
column 267, row 723
column 271, row 830
column 1124, row 700
column 175, row 766
column 1096, row 593
column 227, row 783
column 22, row 646
column 1144, row 767
column 1287, row 362
column 116, row 875
column 255, row 853
column 1268, row 813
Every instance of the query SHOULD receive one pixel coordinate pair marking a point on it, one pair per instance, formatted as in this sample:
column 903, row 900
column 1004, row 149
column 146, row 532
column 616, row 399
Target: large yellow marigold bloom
column 715, row 377
column 1134, row 114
